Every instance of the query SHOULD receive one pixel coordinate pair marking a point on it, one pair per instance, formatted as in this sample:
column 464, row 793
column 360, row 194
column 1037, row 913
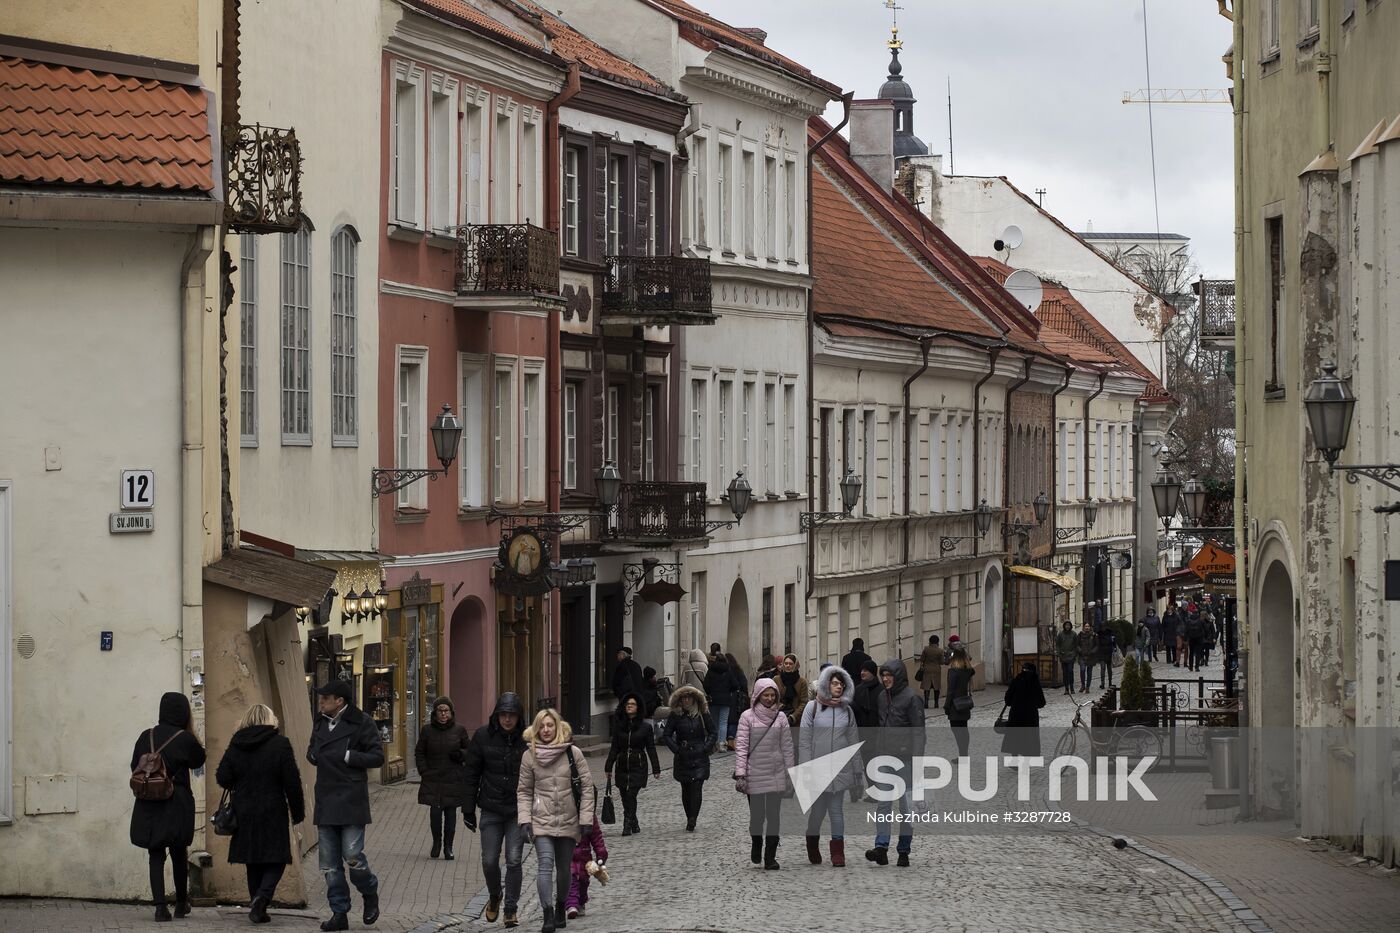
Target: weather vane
column 894, row 9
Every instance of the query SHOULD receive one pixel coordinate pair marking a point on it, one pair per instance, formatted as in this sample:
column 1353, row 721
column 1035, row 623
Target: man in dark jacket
column 1154, row 632
column 902, row 735
column 344, row 746
column 1171, row 628
column 867, row 698
column 1066, row 650
column 627, row 676
column 1108, row 643
column 1088, row 651
column 855, row 659
column 1195, row 636
column 719, row 694
column 493, row 772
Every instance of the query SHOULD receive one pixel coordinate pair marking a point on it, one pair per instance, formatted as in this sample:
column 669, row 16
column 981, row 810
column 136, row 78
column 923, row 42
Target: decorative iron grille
column 661, row 511
column 671, row 286
column 516, row 258
column 262, row 165
column 1218, row 309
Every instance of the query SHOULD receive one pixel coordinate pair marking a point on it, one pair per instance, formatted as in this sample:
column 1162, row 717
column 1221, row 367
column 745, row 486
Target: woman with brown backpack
column 162, row 822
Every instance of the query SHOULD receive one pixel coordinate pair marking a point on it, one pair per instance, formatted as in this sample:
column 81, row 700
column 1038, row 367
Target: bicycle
column 1133, row 743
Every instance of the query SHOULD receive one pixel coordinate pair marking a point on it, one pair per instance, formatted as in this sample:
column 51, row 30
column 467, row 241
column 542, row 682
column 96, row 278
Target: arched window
column 344, row 339
column 296, row 335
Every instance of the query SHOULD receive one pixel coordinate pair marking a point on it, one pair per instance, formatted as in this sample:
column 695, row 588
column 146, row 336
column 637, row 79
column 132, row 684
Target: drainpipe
column 924, row 340
column 1084, row 566
column 812, row 337
column 572, row 83
column 1006, row 429
column 1322, row 64
column 977, row 435
column 1055, row 445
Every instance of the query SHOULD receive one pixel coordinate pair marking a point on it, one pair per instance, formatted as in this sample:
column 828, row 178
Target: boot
column 636, row 827
column 880, row 855
column 449, row 835
column 814, row 850
column 512, row 919
column 162, row 914
column 561, row 919
column 903, row 861
column 436, row 850
column 493, row 908
column 336, row 922
column 838, row 853
column 770, row 853
column 182, row 907
column 626, row 826
column 756, row 851
column 548, row 925
column 371, row 909
column 257, row 911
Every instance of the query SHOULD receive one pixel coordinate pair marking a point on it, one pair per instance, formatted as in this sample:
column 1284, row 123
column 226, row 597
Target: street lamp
column 982, row 518
column 447, row 439
column 850, row 495
column 741, row 494
column 1330, row 404
column 1091, row 512
column 607, row 483
column 1041, row 507
column 1166, row 494
column 1193, row 499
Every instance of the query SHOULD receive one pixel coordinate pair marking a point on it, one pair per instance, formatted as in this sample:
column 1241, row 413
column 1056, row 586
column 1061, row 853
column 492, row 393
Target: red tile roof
column 567, row 42
column 467, row 14
column 701, row 28
column 73, row 126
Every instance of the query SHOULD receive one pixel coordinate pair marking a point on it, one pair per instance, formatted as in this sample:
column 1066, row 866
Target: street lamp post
column 1330, row 404
column 982, row 520
column 850, row 486
column 1091, row 513
column 447, row 438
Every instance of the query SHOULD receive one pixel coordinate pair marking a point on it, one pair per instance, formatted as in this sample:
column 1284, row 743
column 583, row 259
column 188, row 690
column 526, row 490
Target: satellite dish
column 1011, row 238
column 1025, row 287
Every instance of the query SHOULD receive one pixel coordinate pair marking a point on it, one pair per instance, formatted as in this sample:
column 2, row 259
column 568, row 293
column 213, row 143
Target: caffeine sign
column 1212, row 560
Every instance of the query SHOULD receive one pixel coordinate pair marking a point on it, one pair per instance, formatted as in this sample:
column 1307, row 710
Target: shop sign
column 417, row 591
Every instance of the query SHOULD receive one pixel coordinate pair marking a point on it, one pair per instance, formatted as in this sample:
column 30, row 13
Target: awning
column 1186, row 578
column 272, row 576
column 1064, row 582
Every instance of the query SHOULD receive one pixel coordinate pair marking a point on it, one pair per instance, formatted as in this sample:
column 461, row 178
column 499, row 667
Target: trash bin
column 1224, row 763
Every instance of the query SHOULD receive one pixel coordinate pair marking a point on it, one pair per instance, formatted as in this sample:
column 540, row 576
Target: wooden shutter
column 599, row 197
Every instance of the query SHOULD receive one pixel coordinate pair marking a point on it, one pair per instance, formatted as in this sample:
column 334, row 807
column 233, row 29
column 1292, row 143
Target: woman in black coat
column 260, row 773
column 1024, row 700
column 441, row 756
column 633, row 742
column 959, row 685
column 690, row 734
column 167, row 826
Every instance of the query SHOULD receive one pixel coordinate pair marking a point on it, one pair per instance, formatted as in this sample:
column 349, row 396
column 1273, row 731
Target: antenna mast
column 950, row 126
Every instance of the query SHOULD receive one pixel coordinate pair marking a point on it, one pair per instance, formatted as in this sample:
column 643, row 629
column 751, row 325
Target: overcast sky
column 1037, row 97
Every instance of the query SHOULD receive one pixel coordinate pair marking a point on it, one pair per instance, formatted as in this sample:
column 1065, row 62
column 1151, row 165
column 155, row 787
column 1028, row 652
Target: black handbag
column 919, row 675
column 1000, row 726
column 223, row 820
column 609, row 811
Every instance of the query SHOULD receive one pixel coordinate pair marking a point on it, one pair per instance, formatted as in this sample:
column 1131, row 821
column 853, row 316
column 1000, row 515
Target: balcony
column 262, row 165
column 508, row 260
column 657, row 291
column 658, row 512
column 1217, row 318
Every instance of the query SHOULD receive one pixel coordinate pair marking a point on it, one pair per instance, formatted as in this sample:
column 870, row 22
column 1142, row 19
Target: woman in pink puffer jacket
column 763, row 753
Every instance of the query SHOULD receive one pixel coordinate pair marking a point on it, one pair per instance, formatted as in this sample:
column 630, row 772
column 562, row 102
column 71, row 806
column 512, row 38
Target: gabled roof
column 84, row 128
column 464, row 14
column 702, row 29
column 567, row 42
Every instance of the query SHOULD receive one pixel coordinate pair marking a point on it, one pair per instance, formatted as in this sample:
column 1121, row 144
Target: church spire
column 896, row 89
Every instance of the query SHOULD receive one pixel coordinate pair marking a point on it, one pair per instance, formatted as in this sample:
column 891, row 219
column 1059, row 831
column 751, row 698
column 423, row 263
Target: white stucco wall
column 89, row 366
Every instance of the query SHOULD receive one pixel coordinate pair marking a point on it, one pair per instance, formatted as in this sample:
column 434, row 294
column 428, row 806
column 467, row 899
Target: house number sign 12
column 138, row 489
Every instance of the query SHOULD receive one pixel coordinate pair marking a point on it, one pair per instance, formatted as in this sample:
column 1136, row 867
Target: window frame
column 471, row 402
column 530, row 436
column 789, row 452
column 345, row 360
column 410, row 423
column 410, row 77
column 248, row 339
column 1277, row 272
column 724, row 181
column 699, row 405
column 444, row 168
column 573, row 227
column 568, row 423
column 504, row 435
column 295, row 269
column 476, row 154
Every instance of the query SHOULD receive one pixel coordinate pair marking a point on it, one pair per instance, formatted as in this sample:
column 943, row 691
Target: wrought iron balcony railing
column 1217, row 313
column 262, row 166
column 658, row 290
column 661, row 511
column 507, row 259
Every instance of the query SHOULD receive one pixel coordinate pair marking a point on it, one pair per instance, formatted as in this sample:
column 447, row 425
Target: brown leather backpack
column 150, row 780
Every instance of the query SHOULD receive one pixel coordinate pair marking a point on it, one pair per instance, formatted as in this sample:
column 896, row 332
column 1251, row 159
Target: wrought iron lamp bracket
column 383, row 482
column 810, row 519
column 634, row 576
column 549, row 523
column 1065, row 534
column 1387, row 474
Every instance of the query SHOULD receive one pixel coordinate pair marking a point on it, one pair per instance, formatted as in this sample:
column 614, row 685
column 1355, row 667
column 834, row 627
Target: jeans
column 733, row 731
column 1171, row 650
column 1067, row 674
column 1086, row 673
column 495, row 830
column 763, row 813
column 1194, row 654
column 831, row 803
column 1105, row 672
column 1140, row 651
column 555, row 855
column 692, row 795
column 263, row 878
column 443, row 823
column 906, row 807
column 179, row 864
column 721, row 714
column 344, row 844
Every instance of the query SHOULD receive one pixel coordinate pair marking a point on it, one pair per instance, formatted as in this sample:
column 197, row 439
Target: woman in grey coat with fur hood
column 829, row 725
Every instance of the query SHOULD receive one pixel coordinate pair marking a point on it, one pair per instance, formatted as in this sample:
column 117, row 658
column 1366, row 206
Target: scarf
column 831, row 702
column 766, row 714
column 789, row 681
column 546, row 754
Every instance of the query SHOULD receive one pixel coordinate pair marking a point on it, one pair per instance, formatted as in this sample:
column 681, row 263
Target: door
column 575, row 693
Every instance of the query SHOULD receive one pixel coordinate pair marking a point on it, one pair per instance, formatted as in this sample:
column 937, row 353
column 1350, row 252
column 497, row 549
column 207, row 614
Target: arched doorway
column 1278, row 715
column 992, row 647
column 737, row 636
column 466, row 646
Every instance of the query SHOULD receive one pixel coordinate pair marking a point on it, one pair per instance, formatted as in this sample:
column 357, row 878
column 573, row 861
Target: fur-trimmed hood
column 701, row 706
column 824, row 684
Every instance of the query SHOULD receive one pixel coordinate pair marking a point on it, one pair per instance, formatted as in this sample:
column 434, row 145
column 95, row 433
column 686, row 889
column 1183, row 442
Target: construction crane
column 1159, row 95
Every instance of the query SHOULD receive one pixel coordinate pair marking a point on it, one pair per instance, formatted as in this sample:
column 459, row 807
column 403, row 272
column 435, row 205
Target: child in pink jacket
column 590, row 848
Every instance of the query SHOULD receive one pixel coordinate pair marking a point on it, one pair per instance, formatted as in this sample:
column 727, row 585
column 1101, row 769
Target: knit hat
column 953, row 639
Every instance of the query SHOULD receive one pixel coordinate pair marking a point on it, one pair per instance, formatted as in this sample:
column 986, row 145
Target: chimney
column 872, row 139
column 753, row 32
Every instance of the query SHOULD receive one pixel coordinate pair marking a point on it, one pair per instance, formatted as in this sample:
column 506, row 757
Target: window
column 954, row 464
column 699, row 193
column 748, row 194
column 790, row 441
column 968, row 463
column 1064, row 461
column 530, row 174
column 248, row 340
column 1309, row 20
column 1269, row 20
column 442, row 155
column 657, row 211
column 746, row 447
column 649, row 433
column 473, row 404
column 767, row 633
column 1125, row 459
column 868, row 491
column 344, row 340
column 824, row 474
column 296, row 335
column 502, row 190
column 1099, row 485
column 1110, row 486
column 531, row 422
column 571, row 435
column 770, row 206
column 723, row 180
column 473, row 125
column 503, row 436
column 937, row 457
column 617, row 182
column 790, row 191
column 726, row 389
column 1274, row 234
column 409, row 437
column 1081, row 469
column 573, row 199
column 614, row 424
column 697, row 607
column 896, row 463
column 408, row 153
column 770, row 437
column 789, row 597
column 698, row 402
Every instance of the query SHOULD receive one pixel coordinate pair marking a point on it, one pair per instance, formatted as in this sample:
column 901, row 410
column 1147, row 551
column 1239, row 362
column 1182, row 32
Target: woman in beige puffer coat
column 550, row 813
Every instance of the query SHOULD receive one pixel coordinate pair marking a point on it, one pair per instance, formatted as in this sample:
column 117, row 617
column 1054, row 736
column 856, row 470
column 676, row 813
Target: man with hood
column 901, row 735
column 492, row 778
column 627, row 676
column 441, row 755
column 344, row 747
column 853, row 659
